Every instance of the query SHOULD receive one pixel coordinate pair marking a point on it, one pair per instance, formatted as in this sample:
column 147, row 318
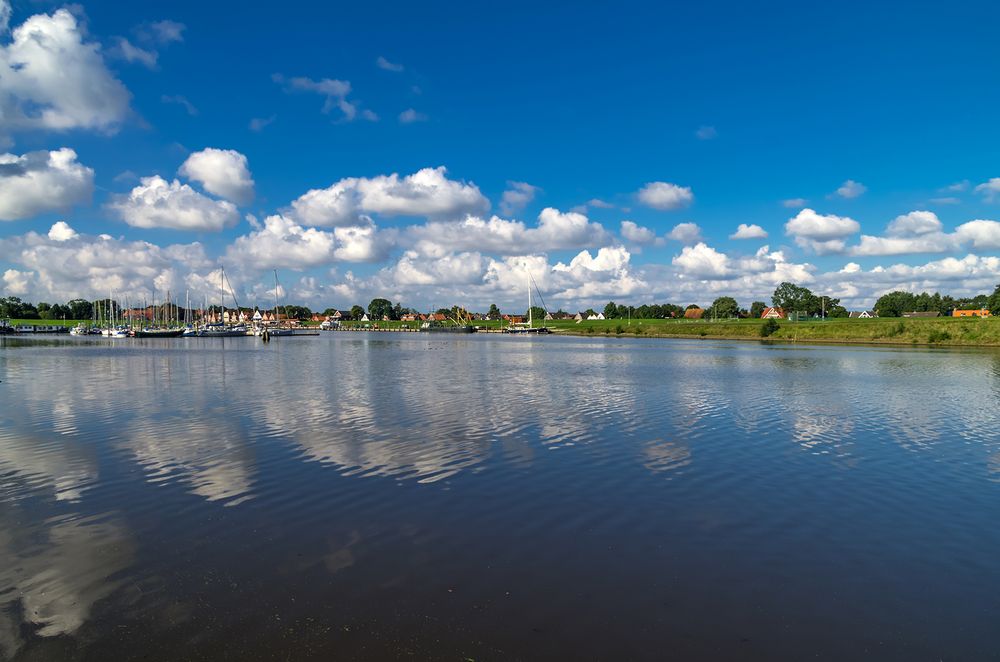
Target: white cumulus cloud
column 819, row 232
column 555, row 230
column 61, row 231
column 665, row 196
column 63, row 264
column 686, row 233
column 282, row 242
column 637, row 234
column 517, row 196
column 427, row 192
column 53, row 79
column 851, row 189
column 39, row 182
column 223, row 172
column 751, row 231
column 914, row 224
column 990, row 189
column 157, row 203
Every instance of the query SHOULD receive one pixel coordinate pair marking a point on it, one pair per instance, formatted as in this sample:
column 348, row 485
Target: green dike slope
column 943, row 331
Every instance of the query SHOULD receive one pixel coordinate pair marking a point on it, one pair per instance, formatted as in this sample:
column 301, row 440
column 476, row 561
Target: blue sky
column 736, row 114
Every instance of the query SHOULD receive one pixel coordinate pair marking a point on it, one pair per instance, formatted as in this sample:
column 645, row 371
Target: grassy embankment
column 942, row 331
column 923, row 331
column 59, row 322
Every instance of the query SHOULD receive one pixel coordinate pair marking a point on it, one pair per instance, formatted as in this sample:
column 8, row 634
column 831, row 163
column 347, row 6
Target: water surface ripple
column 406, row 495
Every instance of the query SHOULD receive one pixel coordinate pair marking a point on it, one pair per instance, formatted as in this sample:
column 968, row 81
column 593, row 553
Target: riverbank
column 943, row 332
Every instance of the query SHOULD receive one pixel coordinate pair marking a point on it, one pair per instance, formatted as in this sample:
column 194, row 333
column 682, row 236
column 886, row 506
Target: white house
column 598, row 316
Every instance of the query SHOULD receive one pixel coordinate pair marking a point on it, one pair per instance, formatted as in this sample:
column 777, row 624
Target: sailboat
column 530, row 328
column 163, row 329
column 275, row 330
column 220, row 329
column 113, row 331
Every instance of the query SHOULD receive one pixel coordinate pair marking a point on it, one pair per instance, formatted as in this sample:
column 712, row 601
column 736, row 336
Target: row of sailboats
column 111, row 321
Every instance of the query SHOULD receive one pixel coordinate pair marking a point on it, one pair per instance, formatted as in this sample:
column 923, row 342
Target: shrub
column 896, row 329
column 768, row 328
column 938, row 336
column 619, row 329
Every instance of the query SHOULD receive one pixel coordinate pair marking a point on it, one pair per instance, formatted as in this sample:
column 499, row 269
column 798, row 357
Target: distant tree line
column 788, row 296
column 896, row 303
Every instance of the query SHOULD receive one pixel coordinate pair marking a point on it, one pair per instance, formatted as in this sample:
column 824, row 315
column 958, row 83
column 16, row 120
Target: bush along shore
column 944, row 331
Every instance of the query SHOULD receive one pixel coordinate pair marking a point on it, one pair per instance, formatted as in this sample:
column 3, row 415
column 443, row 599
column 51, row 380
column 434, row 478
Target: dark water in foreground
column 374, row 496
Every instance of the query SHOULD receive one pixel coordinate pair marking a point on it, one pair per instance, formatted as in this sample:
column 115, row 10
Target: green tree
column 357, row 312
column 494, row 312
column 80, row 309
column 611, row 310
column 379, row 308
column 993, row 303
column 791, row 297
column 537, row 313
column 894, row 304
column 723, row 307
column 757, row 309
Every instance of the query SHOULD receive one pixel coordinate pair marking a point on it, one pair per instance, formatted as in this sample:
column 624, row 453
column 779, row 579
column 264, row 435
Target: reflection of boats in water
column 220, row 330
column 157, row 333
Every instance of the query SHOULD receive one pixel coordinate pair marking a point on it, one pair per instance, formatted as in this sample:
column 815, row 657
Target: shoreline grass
column 943, row 331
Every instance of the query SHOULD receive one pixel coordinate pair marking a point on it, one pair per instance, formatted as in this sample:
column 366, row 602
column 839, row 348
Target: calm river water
column 407, row 495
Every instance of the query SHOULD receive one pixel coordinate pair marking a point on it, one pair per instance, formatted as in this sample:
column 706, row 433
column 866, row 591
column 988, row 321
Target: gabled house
column 774, row 313
column 971, row 313
column 596, row 316
column 694, row 313
column 365, row 318
column 862, row 314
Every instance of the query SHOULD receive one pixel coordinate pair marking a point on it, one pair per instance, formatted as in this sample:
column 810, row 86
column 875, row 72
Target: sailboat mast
column 529, row 301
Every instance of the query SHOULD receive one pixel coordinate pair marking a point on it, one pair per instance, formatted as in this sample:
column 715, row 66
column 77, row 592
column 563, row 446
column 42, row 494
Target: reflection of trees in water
column 55, row 575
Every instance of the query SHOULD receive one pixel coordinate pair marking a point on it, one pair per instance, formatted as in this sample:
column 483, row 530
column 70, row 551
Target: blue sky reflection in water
column 366, row 496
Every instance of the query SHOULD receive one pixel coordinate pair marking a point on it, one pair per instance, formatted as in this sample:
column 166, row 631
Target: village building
column 971, row 313
column 694, row 313
column 927, row 313
column 862, row 314
column 774, row 313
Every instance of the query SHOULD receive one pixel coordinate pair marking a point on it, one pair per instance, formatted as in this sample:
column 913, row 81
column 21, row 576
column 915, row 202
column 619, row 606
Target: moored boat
column 157, row 333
